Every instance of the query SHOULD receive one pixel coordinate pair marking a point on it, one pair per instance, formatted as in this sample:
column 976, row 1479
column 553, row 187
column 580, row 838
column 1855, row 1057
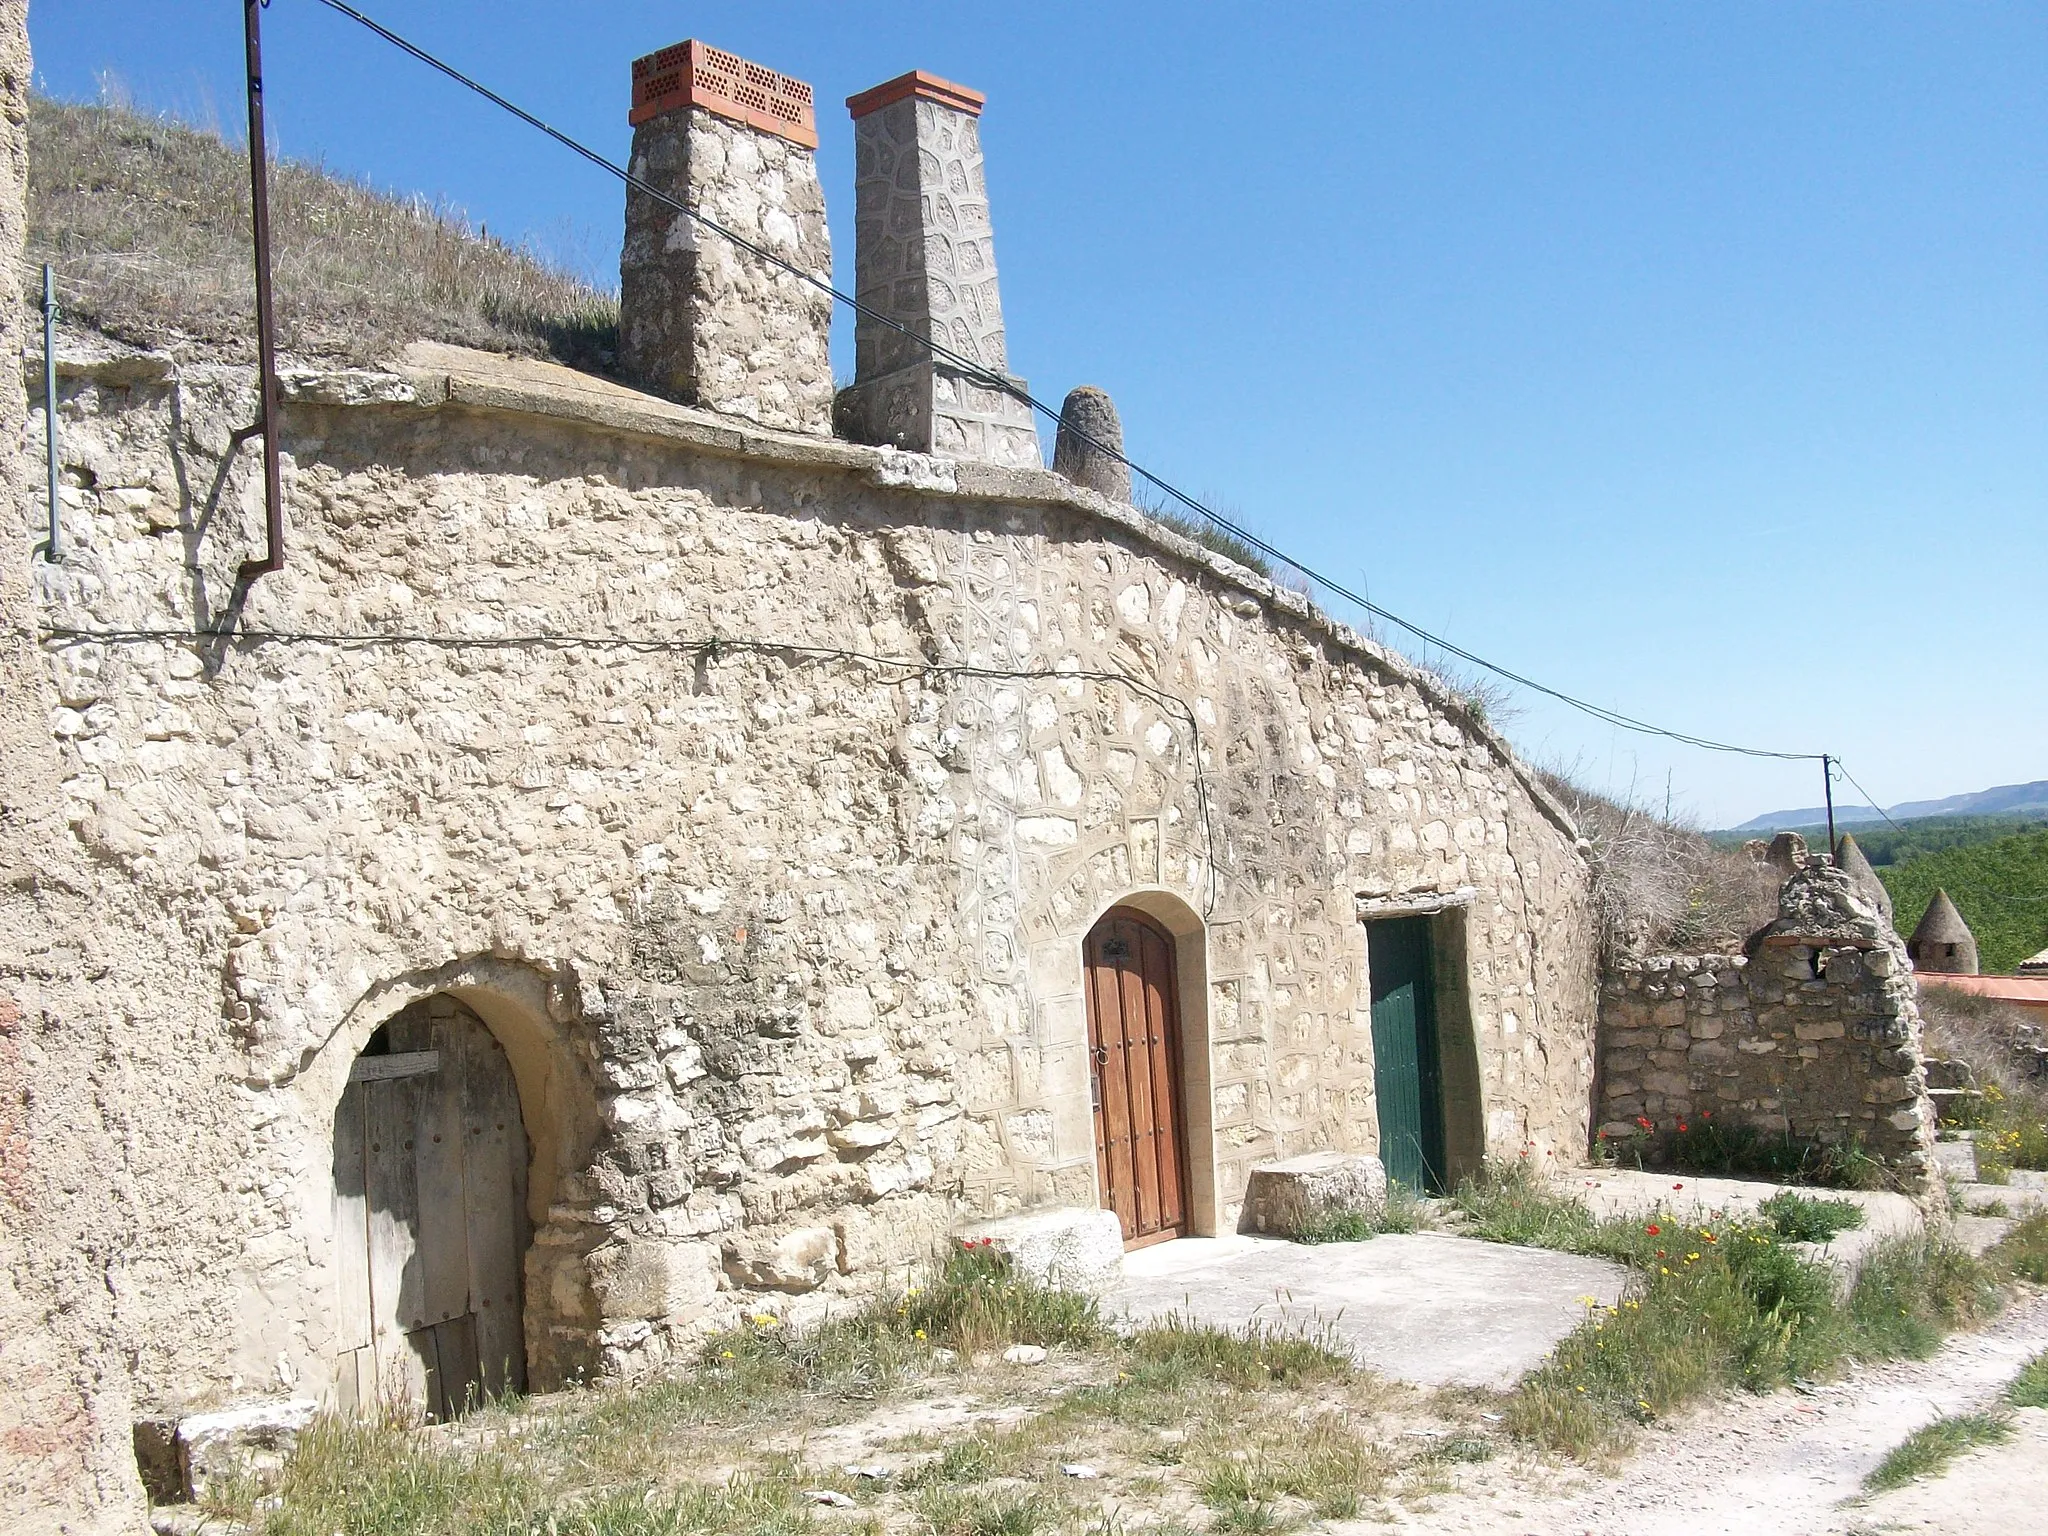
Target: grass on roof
column 147, row 223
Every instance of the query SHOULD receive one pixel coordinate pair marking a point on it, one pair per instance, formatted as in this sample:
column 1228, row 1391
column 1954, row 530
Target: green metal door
column 1407, row 1075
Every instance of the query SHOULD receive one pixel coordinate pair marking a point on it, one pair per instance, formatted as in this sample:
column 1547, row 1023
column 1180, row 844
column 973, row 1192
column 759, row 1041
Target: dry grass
column 1187, row 1428
column 147, row 223
column 1659, row 885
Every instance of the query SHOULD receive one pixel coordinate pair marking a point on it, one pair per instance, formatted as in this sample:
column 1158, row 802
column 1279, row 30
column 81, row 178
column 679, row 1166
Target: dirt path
column 1785, row 1464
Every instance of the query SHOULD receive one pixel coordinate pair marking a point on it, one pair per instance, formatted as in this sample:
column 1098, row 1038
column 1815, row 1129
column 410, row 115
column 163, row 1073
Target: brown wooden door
column 1134, row 1045
column 430, row 1216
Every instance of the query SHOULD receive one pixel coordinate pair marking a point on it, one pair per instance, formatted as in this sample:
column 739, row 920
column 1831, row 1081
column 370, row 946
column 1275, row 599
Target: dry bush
column 1661, row 886
column 147, row 223
column 1986, row 1033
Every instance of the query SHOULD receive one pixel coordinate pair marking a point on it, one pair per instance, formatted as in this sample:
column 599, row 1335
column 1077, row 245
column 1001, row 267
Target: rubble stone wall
column 1814, row 1034
column 758, row 792
column 704, row 321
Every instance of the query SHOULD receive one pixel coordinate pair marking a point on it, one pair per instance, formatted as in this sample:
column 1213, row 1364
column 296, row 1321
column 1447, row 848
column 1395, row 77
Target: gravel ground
column 1793, row 1463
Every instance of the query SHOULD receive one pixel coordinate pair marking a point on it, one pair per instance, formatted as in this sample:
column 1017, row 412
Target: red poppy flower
column 1681, row 1125
column 1643, row 1121
column 1653, row 1229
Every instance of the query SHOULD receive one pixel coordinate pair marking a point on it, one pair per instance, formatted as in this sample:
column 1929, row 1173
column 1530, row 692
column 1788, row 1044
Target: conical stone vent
column 1943, row 941
column 1850, row 860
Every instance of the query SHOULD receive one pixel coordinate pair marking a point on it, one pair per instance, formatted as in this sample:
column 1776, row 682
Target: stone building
column 1812, row 1034
column 641, row 863
column 1942, row 941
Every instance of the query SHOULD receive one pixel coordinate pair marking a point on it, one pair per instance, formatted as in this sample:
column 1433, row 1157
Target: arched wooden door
column 1135, row 1075
column 430, row 1215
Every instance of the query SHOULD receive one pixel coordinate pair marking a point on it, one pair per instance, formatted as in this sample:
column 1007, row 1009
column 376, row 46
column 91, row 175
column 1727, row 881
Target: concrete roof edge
column 433, row 377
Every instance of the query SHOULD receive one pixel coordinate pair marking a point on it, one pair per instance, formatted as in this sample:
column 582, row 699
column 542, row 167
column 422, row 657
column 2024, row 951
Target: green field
column 1883, row 843
column 2000, row 886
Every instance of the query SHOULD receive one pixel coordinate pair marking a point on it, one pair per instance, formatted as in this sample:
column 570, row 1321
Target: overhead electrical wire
column 1010, row 386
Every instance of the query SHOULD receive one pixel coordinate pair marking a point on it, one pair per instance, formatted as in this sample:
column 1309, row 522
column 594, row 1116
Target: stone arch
column 529, row 1012
column 1195, row 1065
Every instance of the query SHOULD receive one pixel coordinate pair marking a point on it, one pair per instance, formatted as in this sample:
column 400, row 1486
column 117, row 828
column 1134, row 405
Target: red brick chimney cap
column 922, row 86
column 694, row 74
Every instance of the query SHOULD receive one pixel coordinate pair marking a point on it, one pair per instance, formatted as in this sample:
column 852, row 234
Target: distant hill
column 2006, row 799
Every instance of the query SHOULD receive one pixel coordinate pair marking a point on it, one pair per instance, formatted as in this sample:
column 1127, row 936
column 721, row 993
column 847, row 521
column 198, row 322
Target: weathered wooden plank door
column 1135, row 1077
column 1407, row 1064
column 430, row 1215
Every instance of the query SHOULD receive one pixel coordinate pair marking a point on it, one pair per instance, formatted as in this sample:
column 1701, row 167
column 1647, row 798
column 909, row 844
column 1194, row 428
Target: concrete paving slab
column 1423, row 1307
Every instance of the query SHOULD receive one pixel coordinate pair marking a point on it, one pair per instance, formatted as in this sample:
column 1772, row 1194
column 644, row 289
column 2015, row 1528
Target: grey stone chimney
column 924, row 254
column 700, row 319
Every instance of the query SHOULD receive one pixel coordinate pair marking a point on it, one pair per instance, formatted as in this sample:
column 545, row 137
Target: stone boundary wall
column 1813, row 1034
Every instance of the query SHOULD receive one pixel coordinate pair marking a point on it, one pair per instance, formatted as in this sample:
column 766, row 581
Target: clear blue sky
column 1692, row 359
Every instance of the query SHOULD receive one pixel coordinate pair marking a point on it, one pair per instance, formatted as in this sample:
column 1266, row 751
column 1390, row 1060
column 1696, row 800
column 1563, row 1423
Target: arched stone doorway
column 430, row 1218
column 1136, row 1075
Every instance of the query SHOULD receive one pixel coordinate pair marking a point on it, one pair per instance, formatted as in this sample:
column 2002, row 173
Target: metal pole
column 53, row 551
column 266, row 330
column 1827, row 780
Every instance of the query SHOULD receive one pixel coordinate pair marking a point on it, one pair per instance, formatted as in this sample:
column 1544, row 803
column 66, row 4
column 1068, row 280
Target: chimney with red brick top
column 925, row 257
column 701, row 319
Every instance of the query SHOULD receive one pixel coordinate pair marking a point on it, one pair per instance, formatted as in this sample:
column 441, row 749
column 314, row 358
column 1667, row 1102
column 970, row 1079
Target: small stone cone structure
column 1943, row 942
column 1850, row 860
column 700, row 319
column 925, row 256
column 1089, row 418
column 2036, row 965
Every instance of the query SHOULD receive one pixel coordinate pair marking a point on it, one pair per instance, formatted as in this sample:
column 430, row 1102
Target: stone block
column 250, row 1438
column 797, row 1261
column 1281, row 1198
column 1819, row 1029
column 650, row 1278
column 1065, row 1247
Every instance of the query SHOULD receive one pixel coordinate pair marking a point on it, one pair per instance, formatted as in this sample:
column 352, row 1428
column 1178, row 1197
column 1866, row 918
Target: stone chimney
column 924, row 254
column 700, row 319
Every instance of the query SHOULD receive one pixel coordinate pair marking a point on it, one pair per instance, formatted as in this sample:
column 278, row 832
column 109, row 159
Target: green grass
column 1205, row 533
column 2029, row 1389
column 2023, row 1252
column 1711, row 1305
column 1928, row 1450
column 2001, row 888
column 1798, row 1218
column 1884, row 844
column 1399, row 1212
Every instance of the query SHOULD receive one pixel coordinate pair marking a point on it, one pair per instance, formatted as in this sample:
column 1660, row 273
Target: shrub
column 1912, row 1291
column 1801, row 1218
column 976, row 1301
column 1660, row 885
column 1702, row 1144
